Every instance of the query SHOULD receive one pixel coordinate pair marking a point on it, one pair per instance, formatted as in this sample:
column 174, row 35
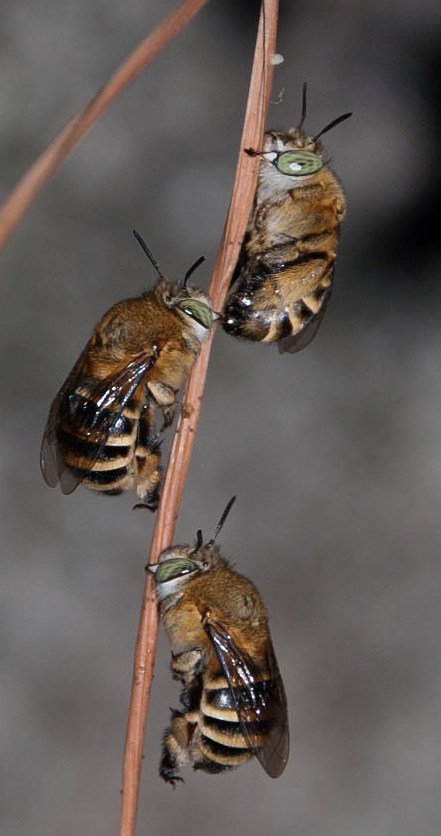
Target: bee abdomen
column 101, row 467
column 216, row 701
column 220, row 724
column 217, row 756
column 221, row 741
column 82, row 450
column 261, row 309
column 230, row 734
column 243, row 319
column 105, row 479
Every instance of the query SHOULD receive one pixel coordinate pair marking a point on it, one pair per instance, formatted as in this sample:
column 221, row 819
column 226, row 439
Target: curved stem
column 239, row 211
column 57, row 152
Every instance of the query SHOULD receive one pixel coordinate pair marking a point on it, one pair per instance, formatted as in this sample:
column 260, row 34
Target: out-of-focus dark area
column 333, row 453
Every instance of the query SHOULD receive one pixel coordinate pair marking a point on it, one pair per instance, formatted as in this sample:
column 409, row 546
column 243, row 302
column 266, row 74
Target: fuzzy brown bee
column 101, row 430
column 283, row 280
column 234, row 704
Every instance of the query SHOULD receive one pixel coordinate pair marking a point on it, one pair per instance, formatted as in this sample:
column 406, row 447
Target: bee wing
column 52, row 464
column 297, row 342
column 92, row 416
column 260, row 703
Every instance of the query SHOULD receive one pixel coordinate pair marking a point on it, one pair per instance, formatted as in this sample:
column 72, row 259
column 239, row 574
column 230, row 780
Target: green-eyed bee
column 101, row 430
column 233, row 699
column 283, row 279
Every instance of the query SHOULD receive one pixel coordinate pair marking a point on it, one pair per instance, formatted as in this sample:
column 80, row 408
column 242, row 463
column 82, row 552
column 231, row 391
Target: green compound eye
column 174, row 568
column 298, row 163
column 198, row 311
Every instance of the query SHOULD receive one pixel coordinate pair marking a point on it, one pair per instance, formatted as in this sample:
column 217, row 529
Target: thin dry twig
column 239, row 211
column 57, row 152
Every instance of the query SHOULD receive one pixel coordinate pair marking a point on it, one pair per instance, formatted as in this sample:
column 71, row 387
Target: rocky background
column 333, row 453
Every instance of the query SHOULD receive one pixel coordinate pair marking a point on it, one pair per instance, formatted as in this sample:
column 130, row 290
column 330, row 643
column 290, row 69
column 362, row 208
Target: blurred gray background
column 333, row 453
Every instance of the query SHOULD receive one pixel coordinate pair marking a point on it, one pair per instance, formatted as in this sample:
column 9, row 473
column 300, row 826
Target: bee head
column 294, row 153
column 174, row 569
column 179, row 564
column 189, row 300
column 193, row 302
column 195, row 305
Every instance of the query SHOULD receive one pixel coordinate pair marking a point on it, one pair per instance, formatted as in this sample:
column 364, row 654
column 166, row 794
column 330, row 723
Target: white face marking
column 169, row 587
column 246, row 300
column 198, row 330
column 271, row 181
column 173, row 586
column 276, row 144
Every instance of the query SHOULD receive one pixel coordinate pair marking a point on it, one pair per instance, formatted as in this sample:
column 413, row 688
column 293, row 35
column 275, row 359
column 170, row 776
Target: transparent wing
column 260, row 702
column 90, row 417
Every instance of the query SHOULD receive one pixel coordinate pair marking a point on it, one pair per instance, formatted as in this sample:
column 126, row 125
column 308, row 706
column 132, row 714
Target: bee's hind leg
column 176, row 744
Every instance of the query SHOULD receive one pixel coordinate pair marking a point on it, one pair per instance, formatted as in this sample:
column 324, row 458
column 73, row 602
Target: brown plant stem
column 239, row 211
column 57, row 152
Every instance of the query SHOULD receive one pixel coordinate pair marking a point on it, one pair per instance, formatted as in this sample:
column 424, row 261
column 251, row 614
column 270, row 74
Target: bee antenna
column 199, row 542
column 221, row 521
column 148, row 253
column 191, row 270
column 332, row 125
column 303, row 116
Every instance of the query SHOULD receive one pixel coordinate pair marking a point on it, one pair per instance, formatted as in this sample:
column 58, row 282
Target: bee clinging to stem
column 233, row 699
column 101, row 430
column 283, row 278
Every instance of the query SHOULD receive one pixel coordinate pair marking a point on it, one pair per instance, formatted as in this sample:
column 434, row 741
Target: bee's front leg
column 186, row 666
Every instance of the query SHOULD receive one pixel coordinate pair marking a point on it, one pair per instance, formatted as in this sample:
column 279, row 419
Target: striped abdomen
column 222, row 742
column 282, row 295
column 111, row 452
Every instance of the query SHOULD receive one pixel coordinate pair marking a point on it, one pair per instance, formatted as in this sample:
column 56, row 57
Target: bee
column 283, row 279
column 101, row 430
column 234, row 703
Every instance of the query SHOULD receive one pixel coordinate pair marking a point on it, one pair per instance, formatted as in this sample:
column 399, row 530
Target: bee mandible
column 101, row 430
column 233, row 699
column 283, row 279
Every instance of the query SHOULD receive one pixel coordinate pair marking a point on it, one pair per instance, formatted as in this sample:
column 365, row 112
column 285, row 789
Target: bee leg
column 147, row 488
column 149, row 505
column 176, row 747
column 147, row 425
column 165, row 398
column 168, row 414
column 147, row 469
column 186, row 666
column 190, row 698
